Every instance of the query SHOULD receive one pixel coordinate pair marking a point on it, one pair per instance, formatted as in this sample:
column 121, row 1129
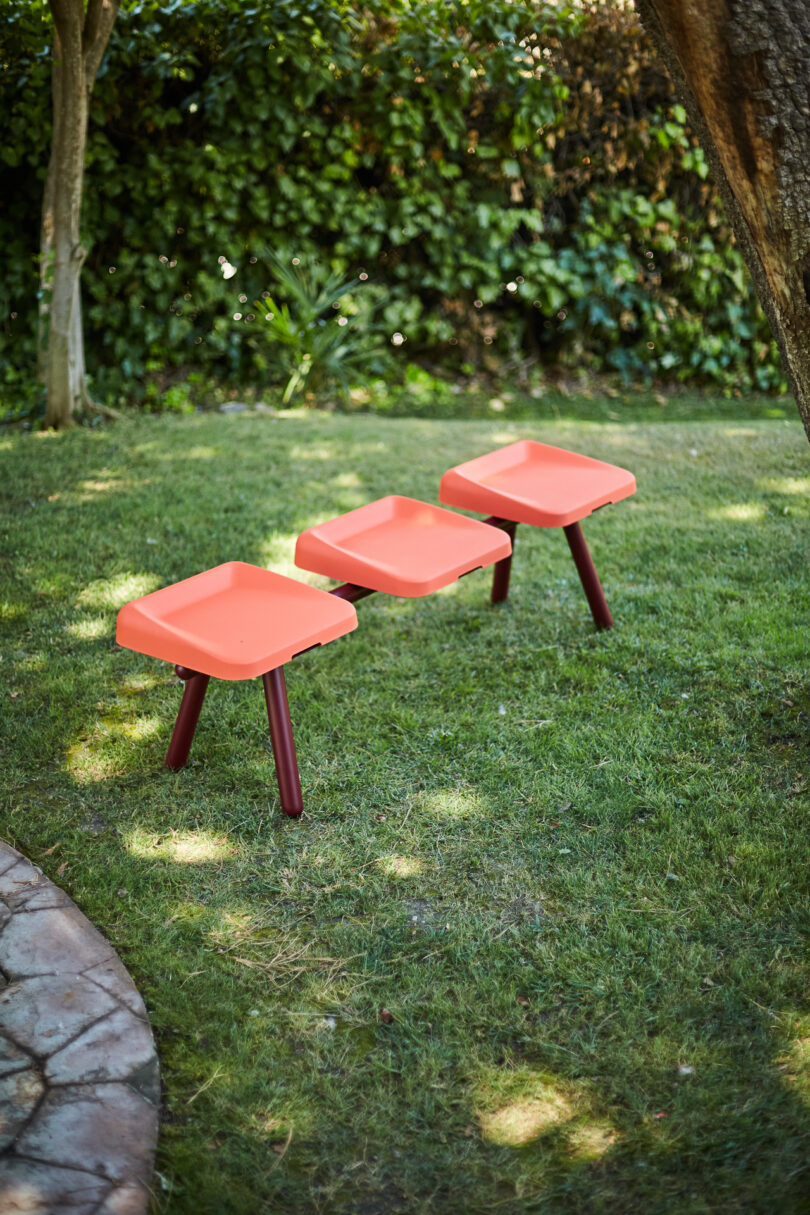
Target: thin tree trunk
column 46, row 255
column 80, row 37
column 741, row 67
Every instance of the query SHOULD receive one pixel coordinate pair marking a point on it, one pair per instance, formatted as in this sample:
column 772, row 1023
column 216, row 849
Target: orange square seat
column 235, row 621
column 400, row 546
column 529, row 482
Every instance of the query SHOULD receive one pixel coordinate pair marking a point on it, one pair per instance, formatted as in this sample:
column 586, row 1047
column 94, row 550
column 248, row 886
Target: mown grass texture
column 572, row 866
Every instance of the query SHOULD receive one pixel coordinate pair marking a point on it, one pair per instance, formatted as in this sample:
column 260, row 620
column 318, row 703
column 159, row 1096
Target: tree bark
column 741, row 67
column 80, row 38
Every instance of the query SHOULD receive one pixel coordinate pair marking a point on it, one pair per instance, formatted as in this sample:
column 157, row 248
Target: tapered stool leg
column 588, row 577
column 503, row 568
column 281, row 736
column 187, row 717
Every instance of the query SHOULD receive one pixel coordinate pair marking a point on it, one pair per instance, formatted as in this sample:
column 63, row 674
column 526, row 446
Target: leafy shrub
column 500, row 171
column 322, row 344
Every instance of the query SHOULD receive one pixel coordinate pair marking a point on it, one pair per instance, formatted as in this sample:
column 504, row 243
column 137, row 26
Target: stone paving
column 79, row 1084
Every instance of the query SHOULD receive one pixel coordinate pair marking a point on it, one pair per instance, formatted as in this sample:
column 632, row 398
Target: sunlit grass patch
column 86, row 764
column 591, row 1140
column 741, row 512
column 788, row 485
column 347, row 480
column 182, row 848
column 118, row 589
column 400, row 866
column 795, row 1067
column 89, row 628
column 86, row 490
column 11, row 611
column 95, row 757
column 275, row 553
column 133, row 684
column 535, row 1108
column 450, row 803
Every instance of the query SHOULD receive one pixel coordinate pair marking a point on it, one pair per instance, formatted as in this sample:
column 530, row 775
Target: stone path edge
column 79, row 1078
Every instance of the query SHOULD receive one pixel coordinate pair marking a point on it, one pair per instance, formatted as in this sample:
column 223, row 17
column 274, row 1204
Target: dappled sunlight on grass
column 322, row 452
column 498, row 964
column 140, row 728
column 341, row 499
column 87, row 490
column 272, row 1125
column 89, row 629
column 277, row 554
column 794, row 1066
column 32, row 662
column 526, row 1117
column 538, row 1105
column 234, row 925
column 787, row 485
column 115, row 591
column 135, row 684
column 183, row 848
column 454, row 588
column 11, row 611
column 451, row 804
column 400, row 866
column 347, row 480
column 589, row 1141
column 95, row 757
column 740, row 512
column 86, row 765
column 500, row 438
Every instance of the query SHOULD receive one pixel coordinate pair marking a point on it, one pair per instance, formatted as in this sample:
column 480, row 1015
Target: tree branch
column 68, row 16
column 91, row 22
column 98, row 25
column 63, row 10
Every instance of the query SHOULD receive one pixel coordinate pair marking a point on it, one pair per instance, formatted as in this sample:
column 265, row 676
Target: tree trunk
column 742, row 69
column 46, row 249
column 80, row 38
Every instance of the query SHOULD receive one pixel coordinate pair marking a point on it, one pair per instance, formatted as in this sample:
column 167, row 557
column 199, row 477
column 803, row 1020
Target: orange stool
column 235, row 621
column 528, row 482
column 399, row 546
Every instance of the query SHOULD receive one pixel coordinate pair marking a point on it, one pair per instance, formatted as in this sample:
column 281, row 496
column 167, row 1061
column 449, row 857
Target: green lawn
column 573, row 866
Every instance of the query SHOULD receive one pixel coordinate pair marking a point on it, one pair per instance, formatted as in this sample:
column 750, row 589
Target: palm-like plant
column 322, row 346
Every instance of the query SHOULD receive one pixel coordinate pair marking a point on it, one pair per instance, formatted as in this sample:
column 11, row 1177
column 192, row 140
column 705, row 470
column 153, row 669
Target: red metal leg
column 588, row 577
column 281, row 736
column 503, row 568
column 350, row 592
column 187, row 717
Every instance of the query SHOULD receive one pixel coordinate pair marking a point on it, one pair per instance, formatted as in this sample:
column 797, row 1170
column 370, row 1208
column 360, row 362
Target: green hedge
column 515, row 179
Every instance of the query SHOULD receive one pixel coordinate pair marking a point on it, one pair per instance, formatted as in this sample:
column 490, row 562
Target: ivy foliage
column 508, row 177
